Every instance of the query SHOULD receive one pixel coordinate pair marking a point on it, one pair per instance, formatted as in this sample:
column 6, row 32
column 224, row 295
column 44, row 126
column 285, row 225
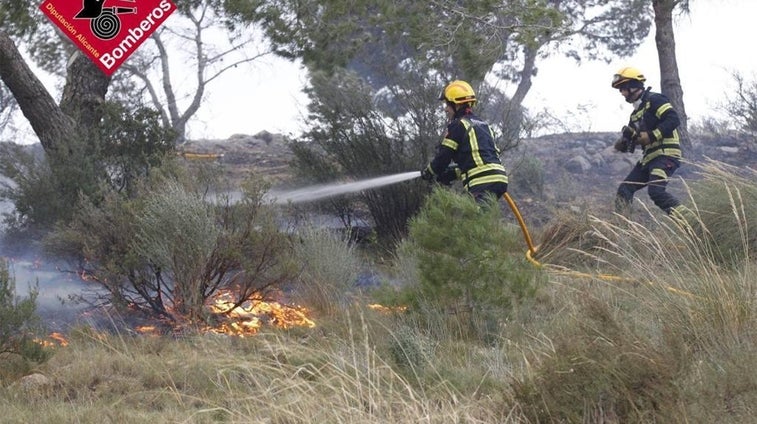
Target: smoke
column 58, row 288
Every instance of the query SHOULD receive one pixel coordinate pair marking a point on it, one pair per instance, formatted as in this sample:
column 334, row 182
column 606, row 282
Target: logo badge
column 108, row 31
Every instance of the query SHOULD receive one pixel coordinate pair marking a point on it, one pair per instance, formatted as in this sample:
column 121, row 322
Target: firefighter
column 653, row 126
column 467, row 151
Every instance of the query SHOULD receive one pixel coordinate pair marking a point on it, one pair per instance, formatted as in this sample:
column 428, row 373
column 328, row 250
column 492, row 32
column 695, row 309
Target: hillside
column 580, row 170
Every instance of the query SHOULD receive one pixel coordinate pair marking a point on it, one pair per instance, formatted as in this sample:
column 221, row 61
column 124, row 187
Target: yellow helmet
column 628, row 74
column 458, row 92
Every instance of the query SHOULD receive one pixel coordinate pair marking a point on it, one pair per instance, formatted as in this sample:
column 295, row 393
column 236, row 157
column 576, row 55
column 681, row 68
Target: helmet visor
column 617, row 80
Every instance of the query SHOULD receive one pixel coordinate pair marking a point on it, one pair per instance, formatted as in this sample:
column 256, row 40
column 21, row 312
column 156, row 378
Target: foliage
column 330, row 267
column 742, row 106
column 465, row 259
column 173, row 247
column 7, row 107
column 355, row 139
column 527, row 177
column 467, row 41
column 19, row 323
column 725, row 198
column 272, row 378
column 603, row 368
column 43, row 193
column 132, row 142
column 25, row 21
column 129, row 144
column 655, row 331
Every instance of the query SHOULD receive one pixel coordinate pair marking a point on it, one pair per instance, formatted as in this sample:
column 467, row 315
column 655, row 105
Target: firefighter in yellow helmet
column 469, row 143
column 653, row 126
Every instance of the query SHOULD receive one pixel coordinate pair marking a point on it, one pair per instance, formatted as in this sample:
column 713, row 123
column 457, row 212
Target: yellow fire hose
column 532, row 251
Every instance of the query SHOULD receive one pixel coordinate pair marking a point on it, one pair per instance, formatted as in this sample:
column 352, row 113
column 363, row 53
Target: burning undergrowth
column 67, row 299
column 225, row 315
column 182, row 261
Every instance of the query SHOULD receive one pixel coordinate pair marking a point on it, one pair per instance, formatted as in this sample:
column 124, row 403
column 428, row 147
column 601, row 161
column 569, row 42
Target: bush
column 330, row 267
column 130, row 143
column 528, row 177
column 19, row 323
column 469, row 261
column 169, row 250
column 598, row 368
column 354, row 139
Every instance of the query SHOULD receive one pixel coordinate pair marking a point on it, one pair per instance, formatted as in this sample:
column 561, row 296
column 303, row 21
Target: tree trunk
column 47, row 120
column 80, row 108
column 84, row 92
column 666, row 54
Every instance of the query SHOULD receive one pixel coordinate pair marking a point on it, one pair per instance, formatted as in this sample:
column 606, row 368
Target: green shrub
column 19, row 323
column 129, row 144
column 527, row 177
column 598, row 368
column 172, row 248
column 469, row 261
column 330, row 267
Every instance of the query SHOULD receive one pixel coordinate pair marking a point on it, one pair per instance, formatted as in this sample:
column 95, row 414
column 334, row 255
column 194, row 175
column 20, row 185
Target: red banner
column 108, row 33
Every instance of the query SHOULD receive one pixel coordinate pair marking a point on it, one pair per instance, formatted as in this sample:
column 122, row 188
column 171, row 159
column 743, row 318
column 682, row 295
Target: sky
column 711, row 42
column 714, row 40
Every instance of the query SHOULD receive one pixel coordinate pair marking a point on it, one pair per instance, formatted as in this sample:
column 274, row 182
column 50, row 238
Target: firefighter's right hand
column 621, row 145
column 427, row 174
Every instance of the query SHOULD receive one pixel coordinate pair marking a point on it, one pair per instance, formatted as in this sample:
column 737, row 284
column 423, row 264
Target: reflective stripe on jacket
column 656, row 115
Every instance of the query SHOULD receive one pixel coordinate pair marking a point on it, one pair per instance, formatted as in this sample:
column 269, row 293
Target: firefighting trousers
column 654, row 175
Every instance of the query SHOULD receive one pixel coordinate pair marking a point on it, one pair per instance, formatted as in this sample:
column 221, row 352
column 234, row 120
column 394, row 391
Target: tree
column 78, row 134
column 666, row 54
column 459, row 42
column 466, row 269
column 742, row 105
column 8, row 106
column 78, row 111
column 149, row 72
column 377, row 69
column 184, row 43
column 361, row 133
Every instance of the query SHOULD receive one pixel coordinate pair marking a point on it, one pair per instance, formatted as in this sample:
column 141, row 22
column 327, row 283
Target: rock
column 32, row 385
column 578, row 165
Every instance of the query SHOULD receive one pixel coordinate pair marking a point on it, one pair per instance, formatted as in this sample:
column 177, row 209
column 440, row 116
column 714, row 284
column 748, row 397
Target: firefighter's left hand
column 621, row 145
column 449, row 175
column 643, row 138
column 427, row 174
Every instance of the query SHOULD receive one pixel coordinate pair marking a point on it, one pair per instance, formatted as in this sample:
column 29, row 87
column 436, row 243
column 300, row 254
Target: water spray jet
column 322, row 191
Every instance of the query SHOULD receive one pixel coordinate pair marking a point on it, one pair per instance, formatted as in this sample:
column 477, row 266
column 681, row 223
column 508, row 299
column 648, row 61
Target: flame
column 53, row 340
column 147, row 329
column 250, row 316
column 387, row 309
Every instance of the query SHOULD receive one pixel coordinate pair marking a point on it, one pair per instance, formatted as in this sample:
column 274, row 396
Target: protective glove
column 449, row 175
column 644, row 138
column 621, row 145
column 427, row 174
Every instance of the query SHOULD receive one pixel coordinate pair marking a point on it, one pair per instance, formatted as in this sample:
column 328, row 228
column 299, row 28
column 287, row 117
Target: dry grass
column 279, row 378
column 640, row 323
